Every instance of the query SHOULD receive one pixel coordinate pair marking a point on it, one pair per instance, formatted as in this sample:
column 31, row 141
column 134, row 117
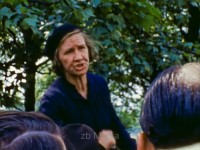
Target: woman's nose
column 77, row 55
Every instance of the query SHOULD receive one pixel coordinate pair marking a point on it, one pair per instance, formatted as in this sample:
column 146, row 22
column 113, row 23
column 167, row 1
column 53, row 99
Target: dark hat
column 55, row 38
column 80, row 137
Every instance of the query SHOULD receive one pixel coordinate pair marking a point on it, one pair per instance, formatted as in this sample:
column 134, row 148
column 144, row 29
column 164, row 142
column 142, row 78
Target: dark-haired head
column 170, row 114
column 80, row 136
column 14, row 123
column 36, row 140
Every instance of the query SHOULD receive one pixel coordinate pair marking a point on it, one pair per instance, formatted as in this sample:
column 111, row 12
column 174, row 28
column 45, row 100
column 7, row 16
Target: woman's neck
column 80, row 83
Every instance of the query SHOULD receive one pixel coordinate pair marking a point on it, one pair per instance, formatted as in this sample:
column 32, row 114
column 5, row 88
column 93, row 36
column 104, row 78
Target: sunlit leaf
column 95, row 3
column 29, row 22
column 5, row 11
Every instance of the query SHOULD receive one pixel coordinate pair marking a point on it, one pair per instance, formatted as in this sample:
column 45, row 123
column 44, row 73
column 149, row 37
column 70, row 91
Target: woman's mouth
column 80, row 67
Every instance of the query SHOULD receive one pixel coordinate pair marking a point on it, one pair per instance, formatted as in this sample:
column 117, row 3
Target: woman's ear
column 143, row 142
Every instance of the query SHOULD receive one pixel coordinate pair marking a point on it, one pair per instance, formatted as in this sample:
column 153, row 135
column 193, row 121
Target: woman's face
column 74, row 56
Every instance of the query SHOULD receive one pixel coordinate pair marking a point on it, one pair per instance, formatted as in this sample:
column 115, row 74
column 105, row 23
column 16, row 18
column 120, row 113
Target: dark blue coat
column 65, row 105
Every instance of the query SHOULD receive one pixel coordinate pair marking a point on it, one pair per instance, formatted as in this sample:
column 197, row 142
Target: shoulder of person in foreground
column 171, row 109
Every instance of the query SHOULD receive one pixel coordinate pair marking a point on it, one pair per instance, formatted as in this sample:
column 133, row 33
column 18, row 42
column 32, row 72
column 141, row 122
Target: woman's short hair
column 170, row 114
column 36, row 140
column 90, row 43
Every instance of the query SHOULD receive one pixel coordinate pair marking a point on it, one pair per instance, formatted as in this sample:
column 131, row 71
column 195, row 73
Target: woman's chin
column 81, row 73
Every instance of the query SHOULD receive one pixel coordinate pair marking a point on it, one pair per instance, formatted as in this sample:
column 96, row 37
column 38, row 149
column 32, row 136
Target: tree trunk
column 30, row 87
column 194, row 23
column 30, row 69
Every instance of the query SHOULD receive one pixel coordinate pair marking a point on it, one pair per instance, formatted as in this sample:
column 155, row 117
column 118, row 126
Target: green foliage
column 138, row 40
column 23, row 39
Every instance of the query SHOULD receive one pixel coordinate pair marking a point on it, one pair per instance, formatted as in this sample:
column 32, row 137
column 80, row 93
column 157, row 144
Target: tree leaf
column 29, row 22
column 5, row 11
column 95, row 3
column 87, row 13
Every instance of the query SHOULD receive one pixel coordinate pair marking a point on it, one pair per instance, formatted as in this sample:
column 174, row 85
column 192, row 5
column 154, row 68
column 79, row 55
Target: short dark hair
column 80, row 136
column 36, row 140
column 15, row 123
column 170, row 114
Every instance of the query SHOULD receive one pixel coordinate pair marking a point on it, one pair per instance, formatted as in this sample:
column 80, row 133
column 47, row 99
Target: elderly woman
column 77, row 96
column 170, row 117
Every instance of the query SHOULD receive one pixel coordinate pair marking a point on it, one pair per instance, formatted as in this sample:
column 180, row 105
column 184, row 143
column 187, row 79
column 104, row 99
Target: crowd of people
column 76, row 112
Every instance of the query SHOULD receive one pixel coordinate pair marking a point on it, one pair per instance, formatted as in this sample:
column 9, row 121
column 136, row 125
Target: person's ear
column 143, row 143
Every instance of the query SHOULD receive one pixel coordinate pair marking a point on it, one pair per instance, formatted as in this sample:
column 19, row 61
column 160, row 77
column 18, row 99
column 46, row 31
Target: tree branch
column 14, row 37
column 42, row 63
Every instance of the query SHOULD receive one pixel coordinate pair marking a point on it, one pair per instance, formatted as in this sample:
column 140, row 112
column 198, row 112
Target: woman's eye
column 68, row 52
column 82, row 47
